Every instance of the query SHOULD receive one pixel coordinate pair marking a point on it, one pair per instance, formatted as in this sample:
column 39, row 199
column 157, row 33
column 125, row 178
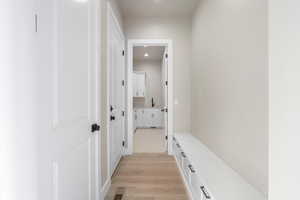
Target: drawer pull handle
column 207, row 196
column 183, row 154
column 192, row 169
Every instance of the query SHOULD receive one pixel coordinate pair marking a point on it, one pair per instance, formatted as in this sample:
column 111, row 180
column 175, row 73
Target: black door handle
column 95, row 127
column 112, row 118
column 164, row 110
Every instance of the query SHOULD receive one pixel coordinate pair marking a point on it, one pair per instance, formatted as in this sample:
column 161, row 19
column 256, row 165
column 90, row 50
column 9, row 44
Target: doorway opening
column 149, row 92
column 149, row 99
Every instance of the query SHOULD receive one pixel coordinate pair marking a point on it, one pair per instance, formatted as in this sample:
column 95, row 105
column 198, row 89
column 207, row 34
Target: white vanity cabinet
column 148, row 118
column 155, row 118
column 139, row 84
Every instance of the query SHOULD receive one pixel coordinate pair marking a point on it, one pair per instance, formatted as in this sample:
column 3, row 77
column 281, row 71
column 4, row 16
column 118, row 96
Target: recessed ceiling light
column 146, row 55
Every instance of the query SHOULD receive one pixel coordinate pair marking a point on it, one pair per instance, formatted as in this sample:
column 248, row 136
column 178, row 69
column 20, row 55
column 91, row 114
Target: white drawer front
column 195, row 186
column 185, row 166
column 205, row 192
column 178, row 152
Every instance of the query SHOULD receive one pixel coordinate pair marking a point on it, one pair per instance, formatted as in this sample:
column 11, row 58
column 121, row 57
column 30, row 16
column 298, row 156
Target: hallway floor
column 151, row 140
column 152, row 176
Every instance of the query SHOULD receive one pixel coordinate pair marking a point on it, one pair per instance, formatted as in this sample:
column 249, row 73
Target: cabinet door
column 149, row 118
column 139, row 82
column 134, row 81
column 141, row 85
column 146, row 118
column 158, row 120
column 138, row 117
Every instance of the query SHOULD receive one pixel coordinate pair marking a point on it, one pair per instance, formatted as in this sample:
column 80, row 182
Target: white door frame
column 149, row 42
column 98, row 98
column 111, row 15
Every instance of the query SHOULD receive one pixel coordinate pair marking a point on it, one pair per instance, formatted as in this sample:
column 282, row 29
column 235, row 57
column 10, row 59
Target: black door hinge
column 167, row 55
column 95, row 127
column 123, row 53
column 123, row 143
column 166, row 109
column 166, row 137
column 123, row 113
column 166, row 83
column 123, row 82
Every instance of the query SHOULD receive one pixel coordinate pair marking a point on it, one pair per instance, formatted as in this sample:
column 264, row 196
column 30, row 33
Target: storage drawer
column 206, row 194
column 174, row 146
column 177, row 152
column 195, row 185
column 184, row 164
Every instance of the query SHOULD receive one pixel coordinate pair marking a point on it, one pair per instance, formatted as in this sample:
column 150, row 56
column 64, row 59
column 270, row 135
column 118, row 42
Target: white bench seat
column 221, row 181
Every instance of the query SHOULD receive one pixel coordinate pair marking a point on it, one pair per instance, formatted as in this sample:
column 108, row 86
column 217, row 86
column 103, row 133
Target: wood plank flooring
column 149, row 140
column 147, row 176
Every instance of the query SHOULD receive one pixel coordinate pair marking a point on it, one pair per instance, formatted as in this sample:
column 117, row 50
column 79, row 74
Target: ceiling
column 155, row 53
column 157, row 8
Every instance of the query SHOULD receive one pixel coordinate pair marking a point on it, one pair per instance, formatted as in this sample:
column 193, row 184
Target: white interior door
column 165, row 93
column 74, row 106
column 50, row 101
column 116, row 67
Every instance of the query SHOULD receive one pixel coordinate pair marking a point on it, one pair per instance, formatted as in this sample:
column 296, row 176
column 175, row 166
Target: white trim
column 110, row 15
column 98, row 171
column 98, row 100
column 105, row 188
column 150, row 42
column 186, row 184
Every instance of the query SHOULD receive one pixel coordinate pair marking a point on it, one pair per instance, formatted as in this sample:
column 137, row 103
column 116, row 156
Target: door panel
column 116, row 91
column 73, row 112
column 70, row 166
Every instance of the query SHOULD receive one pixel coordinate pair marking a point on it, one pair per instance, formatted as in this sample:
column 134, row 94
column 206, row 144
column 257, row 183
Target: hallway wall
column 230, row 84
column 179, row 30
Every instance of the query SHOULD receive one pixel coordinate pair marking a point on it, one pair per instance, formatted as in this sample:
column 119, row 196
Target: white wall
column 284, row 138
column 153, row 83
column 230, row 84
column 179, row 30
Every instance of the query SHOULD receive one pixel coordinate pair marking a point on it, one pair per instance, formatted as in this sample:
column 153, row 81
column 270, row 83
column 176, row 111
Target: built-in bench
column 207, row 176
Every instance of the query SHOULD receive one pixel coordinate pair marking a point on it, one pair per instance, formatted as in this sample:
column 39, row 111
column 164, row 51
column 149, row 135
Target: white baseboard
column 188, row 189
column 105, row 188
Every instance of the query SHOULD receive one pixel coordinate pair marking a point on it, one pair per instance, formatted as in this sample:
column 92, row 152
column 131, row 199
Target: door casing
column 111, row 18
column 148, row 42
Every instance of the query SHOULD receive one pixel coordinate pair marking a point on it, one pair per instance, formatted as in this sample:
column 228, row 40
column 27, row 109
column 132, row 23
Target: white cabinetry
column 139, row 84
column 148, row 117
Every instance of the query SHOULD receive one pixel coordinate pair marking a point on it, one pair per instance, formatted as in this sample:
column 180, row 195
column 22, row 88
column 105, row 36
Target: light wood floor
column 151, row 140
column 147, row 176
